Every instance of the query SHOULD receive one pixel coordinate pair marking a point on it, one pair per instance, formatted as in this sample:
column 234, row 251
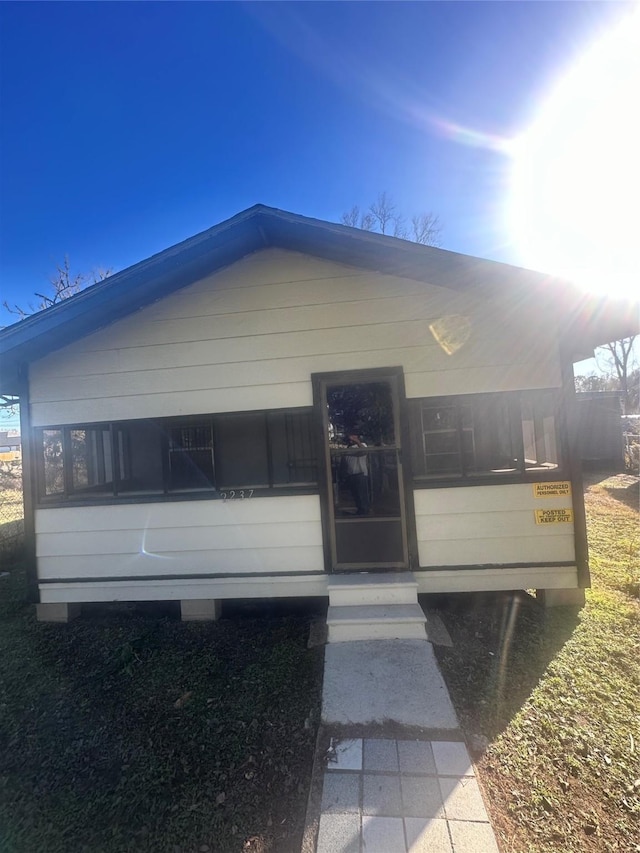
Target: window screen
column 539, row 433
column 241, row 450
column 293, row 456
column 52, row 462
column 91, row 459
column 140, row 452
column 484, row 435
column 191, row 457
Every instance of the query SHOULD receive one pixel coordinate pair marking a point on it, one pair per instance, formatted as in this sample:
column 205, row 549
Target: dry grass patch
column 557, row 696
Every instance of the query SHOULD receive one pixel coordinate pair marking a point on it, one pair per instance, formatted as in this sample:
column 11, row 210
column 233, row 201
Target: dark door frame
column 375, row 374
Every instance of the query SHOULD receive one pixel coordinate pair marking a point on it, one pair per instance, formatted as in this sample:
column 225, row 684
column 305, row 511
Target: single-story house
column 280, row 400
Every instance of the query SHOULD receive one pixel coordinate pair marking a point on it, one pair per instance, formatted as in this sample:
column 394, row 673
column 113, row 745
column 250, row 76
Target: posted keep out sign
column 553, row 516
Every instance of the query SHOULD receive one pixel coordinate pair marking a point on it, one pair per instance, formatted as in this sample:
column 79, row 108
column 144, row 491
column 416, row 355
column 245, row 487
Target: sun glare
column 575, row 208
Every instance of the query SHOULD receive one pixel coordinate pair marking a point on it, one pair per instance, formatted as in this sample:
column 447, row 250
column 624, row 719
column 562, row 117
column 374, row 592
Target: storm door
column 365, row 511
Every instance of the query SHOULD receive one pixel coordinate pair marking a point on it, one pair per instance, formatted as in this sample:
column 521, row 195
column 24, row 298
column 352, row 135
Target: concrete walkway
column 375, row 681
column 392, row 773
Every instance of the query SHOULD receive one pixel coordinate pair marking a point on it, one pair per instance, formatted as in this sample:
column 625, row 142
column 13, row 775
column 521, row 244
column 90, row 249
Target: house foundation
column 57, row 612
column 561, row 597
column 200, row 610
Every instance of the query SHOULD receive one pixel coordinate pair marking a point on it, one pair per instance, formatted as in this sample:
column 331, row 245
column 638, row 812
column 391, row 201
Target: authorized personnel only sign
column 553, row 516
column 552, row 490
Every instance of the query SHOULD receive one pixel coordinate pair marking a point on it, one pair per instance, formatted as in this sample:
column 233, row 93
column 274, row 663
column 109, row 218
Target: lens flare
column 576, row 173
column 472, row 137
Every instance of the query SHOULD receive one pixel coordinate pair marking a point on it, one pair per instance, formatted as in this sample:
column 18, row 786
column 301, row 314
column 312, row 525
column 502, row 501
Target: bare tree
column 383, row 216
column 357, row 219
column 351, row 217
column 619, row 355
column 384, row 213
column 64, row 283
column 426, row 229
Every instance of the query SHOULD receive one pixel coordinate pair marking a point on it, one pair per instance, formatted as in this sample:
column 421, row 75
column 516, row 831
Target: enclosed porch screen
column 245, row 451
column 485, row 436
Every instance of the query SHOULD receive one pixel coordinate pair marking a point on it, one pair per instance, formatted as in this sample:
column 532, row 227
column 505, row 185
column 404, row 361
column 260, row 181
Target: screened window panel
column 91, row 459
column 139, row 445
column 191, row 457
column 53, row 462
column 485, row 435
column 241, row 450
column 293, row 457
column 539, row 433
column 496, row 445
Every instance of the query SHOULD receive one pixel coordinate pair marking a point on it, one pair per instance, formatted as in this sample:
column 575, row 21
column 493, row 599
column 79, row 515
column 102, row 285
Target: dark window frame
column 117, row 493
column 516, row 402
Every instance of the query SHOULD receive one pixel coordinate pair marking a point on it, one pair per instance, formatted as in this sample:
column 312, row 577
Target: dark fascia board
column 260, row 227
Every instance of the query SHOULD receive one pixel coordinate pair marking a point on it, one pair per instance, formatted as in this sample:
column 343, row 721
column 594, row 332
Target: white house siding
column 493, row 524
column 262, row 535
column 249, row 337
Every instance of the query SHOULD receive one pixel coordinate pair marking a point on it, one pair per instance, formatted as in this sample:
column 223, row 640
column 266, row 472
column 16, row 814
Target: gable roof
column 588, row 321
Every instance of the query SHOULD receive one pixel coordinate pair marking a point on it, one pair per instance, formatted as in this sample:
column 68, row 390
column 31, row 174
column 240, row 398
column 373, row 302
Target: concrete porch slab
column 381, row 681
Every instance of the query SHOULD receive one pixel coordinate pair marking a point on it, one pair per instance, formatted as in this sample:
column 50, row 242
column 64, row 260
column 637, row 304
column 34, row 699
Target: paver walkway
column 396, row 777
column 392, row 796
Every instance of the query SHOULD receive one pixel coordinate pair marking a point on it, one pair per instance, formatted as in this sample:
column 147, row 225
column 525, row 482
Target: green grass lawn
column 557, row 695
column 132, row 732
column 129, row 732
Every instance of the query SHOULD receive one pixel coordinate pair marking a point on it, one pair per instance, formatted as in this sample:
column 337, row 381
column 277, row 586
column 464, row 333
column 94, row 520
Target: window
column 139, row 449
column 241, row 450
column 447, row 438
column 52, row 478
column 261, row 451
column 191, row 457
column 91, row 459
column 293, row 456
column 484, row 436
column 539, row 433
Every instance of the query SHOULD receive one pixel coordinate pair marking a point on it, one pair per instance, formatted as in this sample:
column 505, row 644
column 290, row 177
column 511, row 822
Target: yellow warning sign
column 553, row 516
column 552, row 490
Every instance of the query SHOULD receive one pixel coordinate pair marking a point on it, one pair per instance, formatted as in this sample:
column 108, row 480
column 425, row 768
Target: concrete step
column 375, row 622
column 374, row 588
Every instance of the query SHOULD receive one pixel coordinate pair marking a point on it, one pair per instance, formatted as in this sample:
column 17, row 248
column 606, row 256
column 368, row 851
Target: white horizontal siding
column 259, row 535
column 262, row 561
column 250, row 336
column 180, row 540
column 489, row 524
column 290, row 367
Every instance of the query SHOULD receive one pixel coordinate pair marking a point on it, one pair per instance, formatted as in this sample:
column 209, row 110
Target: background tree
column 597, row 382
column 63, row 284
column 384, row 217
column 621, row 356
column 618, row 363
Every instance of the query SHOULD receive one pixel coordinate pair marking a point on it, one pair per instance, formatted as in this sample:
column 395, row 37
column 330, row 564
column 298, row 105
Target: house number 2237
column 239, row 495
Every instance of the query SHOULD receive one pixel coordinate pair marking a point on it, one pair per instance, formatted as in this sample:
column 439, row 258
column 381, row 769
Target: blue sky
column 127, row 127
column 130, row 126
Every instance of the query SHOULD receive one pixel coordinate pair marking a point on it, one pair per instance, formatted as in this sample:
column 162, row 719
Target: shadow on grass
column 128, row 730
column 626, row 494
column 623, row 487
column 502, row 645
